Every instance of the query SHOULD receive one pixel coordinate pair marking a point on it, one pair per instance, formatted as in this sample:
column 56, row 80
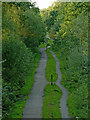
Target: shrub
column 17, row 61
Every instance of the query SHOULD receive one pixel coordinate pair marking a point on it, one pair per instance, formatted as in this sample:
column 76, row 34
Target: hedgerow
column 19, row 50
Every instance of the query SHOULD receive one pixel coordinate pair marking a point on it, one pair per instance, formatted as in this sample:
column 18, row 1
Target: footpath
column 33, row 107
column 34, row 104
column 63, row 100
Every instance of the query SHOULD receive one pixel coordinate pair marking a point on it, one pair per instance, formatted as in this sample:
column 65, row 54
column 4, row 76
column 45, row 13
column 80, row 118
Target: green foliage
column 52, row 101
column 49, row 16
column 18, row 106
column 15, row 69
column 17, row 110
column 20, row 59
column 43, row 44
column 30, row 78
column 9, row 96
column 51, row 67
column 70, row 34
column 17, row 62
column 35, row 29
column 49, row 41
column 76, row 106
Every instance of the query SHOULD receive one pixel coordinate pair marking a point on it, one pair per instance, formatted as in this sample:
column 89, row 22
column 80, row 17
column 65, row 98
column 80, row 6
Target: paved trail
column 63, row 100
column 33, row 108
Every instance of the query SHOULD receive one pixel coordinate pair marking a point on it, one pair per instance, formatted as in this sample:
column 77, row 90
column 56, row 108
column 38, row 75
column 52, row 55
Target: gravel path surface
column 63, row 100
column 33, row 108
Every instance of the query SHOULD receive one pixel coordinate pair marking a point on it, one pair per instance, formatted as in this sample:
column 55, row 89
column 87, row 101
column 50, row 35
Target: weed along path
column 63, row 100
column 33, row 107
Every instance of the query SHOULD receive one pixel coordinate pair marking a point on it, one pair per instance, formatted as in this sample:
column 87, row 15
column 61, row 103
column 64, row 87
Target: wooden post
column 51, row 79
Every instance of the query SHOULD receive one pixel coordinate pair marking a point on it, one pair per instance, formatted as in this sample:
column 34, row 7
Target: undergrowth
column 17, row 110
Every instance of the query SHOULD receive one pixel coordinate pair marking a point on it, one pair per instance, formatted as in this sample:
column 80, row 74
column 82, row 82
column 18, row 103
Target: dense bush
column 79, row 108
column 35, row 29
column 17, row 61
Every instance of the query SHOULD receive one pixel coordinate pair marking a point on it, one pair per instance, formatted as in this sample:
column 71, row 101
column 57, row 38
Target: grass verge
column 52, row 102
column 25, row 91
column 51, row 67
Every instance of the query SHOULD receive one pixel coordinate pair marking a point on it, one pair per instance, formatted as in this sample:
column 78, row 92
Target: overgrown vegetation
column 17, row 110
column 51, row 67
column 52, row 101
column 67, row 24
column 22, row 33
